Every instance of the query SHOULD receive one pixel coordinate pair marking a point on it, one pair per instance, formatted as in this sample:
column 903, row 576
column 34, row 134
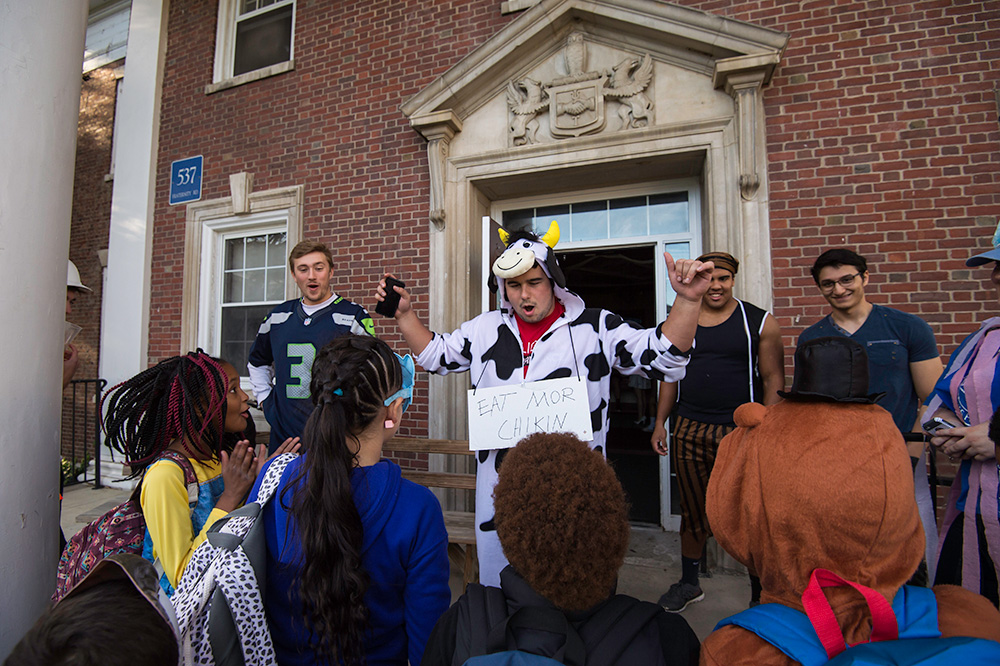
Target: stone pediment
column 567, row 70
column 535, row 46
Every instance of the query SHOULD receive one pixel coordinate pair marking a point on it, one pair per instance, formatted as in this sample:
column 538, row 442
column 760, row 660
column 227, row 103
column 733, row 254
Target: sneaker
column 679, row 596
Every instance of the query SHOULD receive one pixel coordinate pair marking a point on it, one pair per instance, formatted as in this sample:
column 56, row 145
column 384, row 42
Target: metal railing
column 82, row 419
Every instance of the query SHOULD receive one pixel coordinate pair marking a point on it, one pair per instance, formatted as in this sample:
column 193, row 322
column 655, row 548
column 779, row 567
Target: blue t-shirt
column 893, row 340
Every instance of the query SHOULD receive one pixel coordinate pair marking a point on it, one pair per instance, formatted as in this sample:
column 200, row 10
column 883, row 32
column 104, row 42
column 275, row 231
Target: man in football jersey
column 282, row 355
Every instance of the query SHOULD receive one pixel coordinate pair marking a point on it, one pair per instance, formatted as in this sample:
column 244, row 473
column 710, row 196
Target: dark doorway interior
column 623, row 280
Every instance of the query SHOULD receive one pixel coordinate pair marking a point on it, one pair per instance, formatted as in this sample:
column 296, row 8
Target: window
column 235, row 269
column 253, row 279
column 263, row 34
column 606, row 219
column 254, row 40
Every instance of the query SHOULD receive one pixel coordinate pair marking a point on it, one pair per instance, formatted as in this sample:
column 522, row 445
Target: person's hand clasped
column 239, row 471
column 689, row 278
column 966, row 443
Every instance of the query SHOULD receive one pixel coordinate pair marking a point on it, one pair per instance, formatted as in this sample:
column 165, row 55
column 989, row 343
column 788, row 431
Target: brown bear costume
column 806, row 485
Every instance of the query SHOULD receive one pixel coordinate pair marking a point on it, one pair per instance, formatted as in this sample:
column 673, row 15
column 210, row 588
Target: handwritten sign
column 501, row 416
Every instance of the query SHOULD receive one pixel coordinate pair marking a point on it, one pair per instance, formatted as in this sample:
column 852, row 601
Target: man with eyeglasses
column 903, row 358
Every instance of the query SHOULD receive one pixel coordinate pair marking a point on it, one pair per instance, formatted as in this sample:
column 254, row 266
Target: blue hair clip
column 338, row 392
column 406, row 363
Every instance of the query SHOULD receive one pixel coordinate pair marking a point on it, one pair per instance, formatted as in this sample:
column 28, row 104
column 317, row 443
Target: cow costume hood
column 524, row 250
column 587, row 343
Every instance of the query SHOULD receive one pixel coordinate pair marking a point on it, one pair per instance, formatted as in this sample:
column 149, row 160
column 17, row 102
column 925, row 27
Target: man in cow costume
column 544, row 331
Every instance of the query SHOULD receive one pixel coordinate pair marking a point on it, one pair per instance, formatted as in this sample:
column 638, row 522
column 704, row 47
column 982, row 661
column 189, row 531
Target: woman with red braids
column 180, row 427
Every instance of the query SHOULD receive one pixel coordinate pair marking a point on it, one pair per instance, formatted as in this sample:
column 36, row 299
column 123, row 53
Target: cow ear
column 551, row 236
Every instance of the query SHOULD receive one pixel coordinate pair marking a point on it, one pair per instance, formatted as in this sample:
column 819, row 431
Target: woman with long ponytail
column 357, row 565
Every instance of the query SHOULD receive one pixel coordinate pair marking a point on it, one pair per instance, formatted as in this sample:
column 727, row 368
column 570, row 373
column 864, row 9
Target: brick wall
column 89, row 233
column 333, row 125
column 882, row 135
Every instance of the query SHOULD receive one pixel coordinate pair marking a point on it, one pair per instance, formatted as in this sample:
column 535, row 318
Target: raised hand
column 239, row 471
column 404, row 306
column 689, row 278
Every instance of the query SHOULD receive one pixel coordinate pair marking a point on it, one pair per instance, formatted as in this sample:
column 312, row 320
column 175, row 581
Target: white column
column 41, row 64
column 125, row 316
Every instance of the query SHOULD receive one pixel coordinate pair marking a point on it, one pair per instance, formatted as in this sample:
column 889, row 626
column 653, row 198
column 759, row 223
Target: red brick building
column 772, row 130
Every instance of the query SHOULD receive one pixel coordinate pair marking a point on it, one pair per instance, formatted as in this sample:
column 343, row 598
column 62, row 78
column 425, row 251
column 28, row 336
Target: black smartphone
column 937, row 423
column 387, row 308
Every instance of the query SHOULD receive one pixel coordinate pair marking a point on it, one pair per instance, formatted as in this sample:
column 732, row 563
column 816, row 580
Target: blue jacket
column 404, row 552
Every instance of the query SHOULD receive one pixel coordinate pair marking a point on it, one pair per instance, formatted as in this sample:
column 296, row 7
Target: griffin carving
column 627, row 82
column 525, row 98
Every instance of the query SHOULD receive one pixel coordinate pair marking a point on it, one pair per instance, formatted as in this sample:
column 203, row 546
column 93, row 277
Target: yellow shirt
column 164, row 499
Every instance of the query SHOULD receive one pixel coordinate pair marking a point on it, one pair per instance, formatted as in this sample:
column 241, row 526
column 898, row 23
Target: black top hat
column 832, row 369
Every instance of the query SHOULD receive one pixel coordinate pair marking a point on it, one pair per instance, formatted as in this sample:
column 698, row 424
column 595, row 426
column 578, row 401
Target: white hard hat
column 73, row 278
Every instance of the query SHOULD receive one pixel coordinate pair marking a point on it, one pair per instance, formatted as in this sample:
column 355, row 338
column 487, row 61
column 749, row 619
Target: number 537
column 186, row 175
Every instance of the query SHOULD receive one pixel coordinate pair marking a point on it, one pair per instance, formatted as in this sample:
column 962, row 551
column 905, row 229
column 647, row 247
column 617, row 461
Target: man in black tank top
column 738, row 358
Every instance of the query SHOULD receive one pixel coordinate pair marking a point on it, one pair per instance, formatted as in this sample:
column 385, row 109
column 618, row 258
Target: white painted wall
column 40, row 63
column 125, row 316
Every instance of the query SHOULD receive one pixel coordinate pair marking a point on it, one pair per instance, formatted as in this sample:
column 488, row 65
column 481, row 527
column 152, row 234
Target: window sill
column 256, row 75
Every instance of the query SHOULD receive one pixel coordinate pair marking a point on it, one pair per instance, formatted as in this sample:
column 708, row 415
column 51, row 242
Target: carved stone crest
column 576, row 103
column 576, row 109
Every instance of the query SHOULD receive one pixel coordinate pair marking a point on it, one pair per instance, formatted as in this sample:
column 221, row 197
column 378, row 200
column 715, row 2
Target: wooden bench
column 461, row 525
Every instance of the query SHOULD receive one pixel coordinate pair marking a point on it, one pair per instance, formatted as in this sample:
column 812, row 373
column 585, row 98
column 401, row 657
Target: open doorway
column 623, row 280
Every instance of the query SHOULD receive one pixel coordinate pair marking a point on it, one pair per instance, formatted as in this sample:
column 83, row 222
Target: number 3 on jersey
column 302, row 371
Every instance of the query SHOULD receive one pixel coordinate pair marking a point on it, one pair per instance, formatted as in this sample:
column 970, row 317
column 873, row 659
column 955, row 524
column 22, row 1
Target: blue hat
column 987, row 257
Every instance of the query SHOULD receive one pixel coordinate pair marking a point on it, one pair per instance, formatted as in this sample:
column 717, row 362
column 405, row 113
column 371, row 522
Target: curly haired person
column 562, row 519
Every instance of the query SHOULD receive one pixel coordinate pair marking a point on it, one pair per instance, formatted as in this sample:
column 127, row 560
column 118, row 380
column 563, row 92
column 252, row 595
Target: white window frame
column 207, row 224
column 213, row 247
column 225, row 48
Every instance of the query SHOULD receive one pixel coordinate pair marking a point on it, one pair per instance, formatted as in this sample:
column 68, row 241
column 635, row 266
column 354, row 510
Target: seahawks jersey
column 283, row 354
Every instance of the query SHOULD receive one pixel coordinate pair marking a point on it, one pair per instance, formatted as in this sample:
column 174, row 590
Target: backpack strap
column 544, row 621
column 785, row 628
column 914, row 608
column 272, row 477
column 228, row 532
column 824, row 621
column 611, row 630
column 916, row 612
column 480, row 609
column 190, row 476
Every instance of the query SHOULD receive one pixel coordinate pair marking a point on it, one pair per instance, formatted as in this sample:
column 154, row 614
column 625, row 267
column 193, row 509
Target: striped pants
column 694, row 447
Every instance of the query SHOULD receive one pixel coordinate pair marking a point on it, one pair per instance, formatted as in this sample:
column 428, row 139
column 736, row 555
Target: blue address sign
column 185, row 180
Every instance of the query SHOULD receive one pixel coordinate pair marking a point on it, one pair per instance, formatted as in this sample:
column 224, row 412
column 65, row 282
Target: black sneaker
column 679, row 596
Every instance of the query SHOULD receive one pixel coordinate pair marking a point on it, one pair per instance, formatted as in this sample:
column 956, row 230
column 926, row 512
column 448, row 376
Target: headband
column 722, row 260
